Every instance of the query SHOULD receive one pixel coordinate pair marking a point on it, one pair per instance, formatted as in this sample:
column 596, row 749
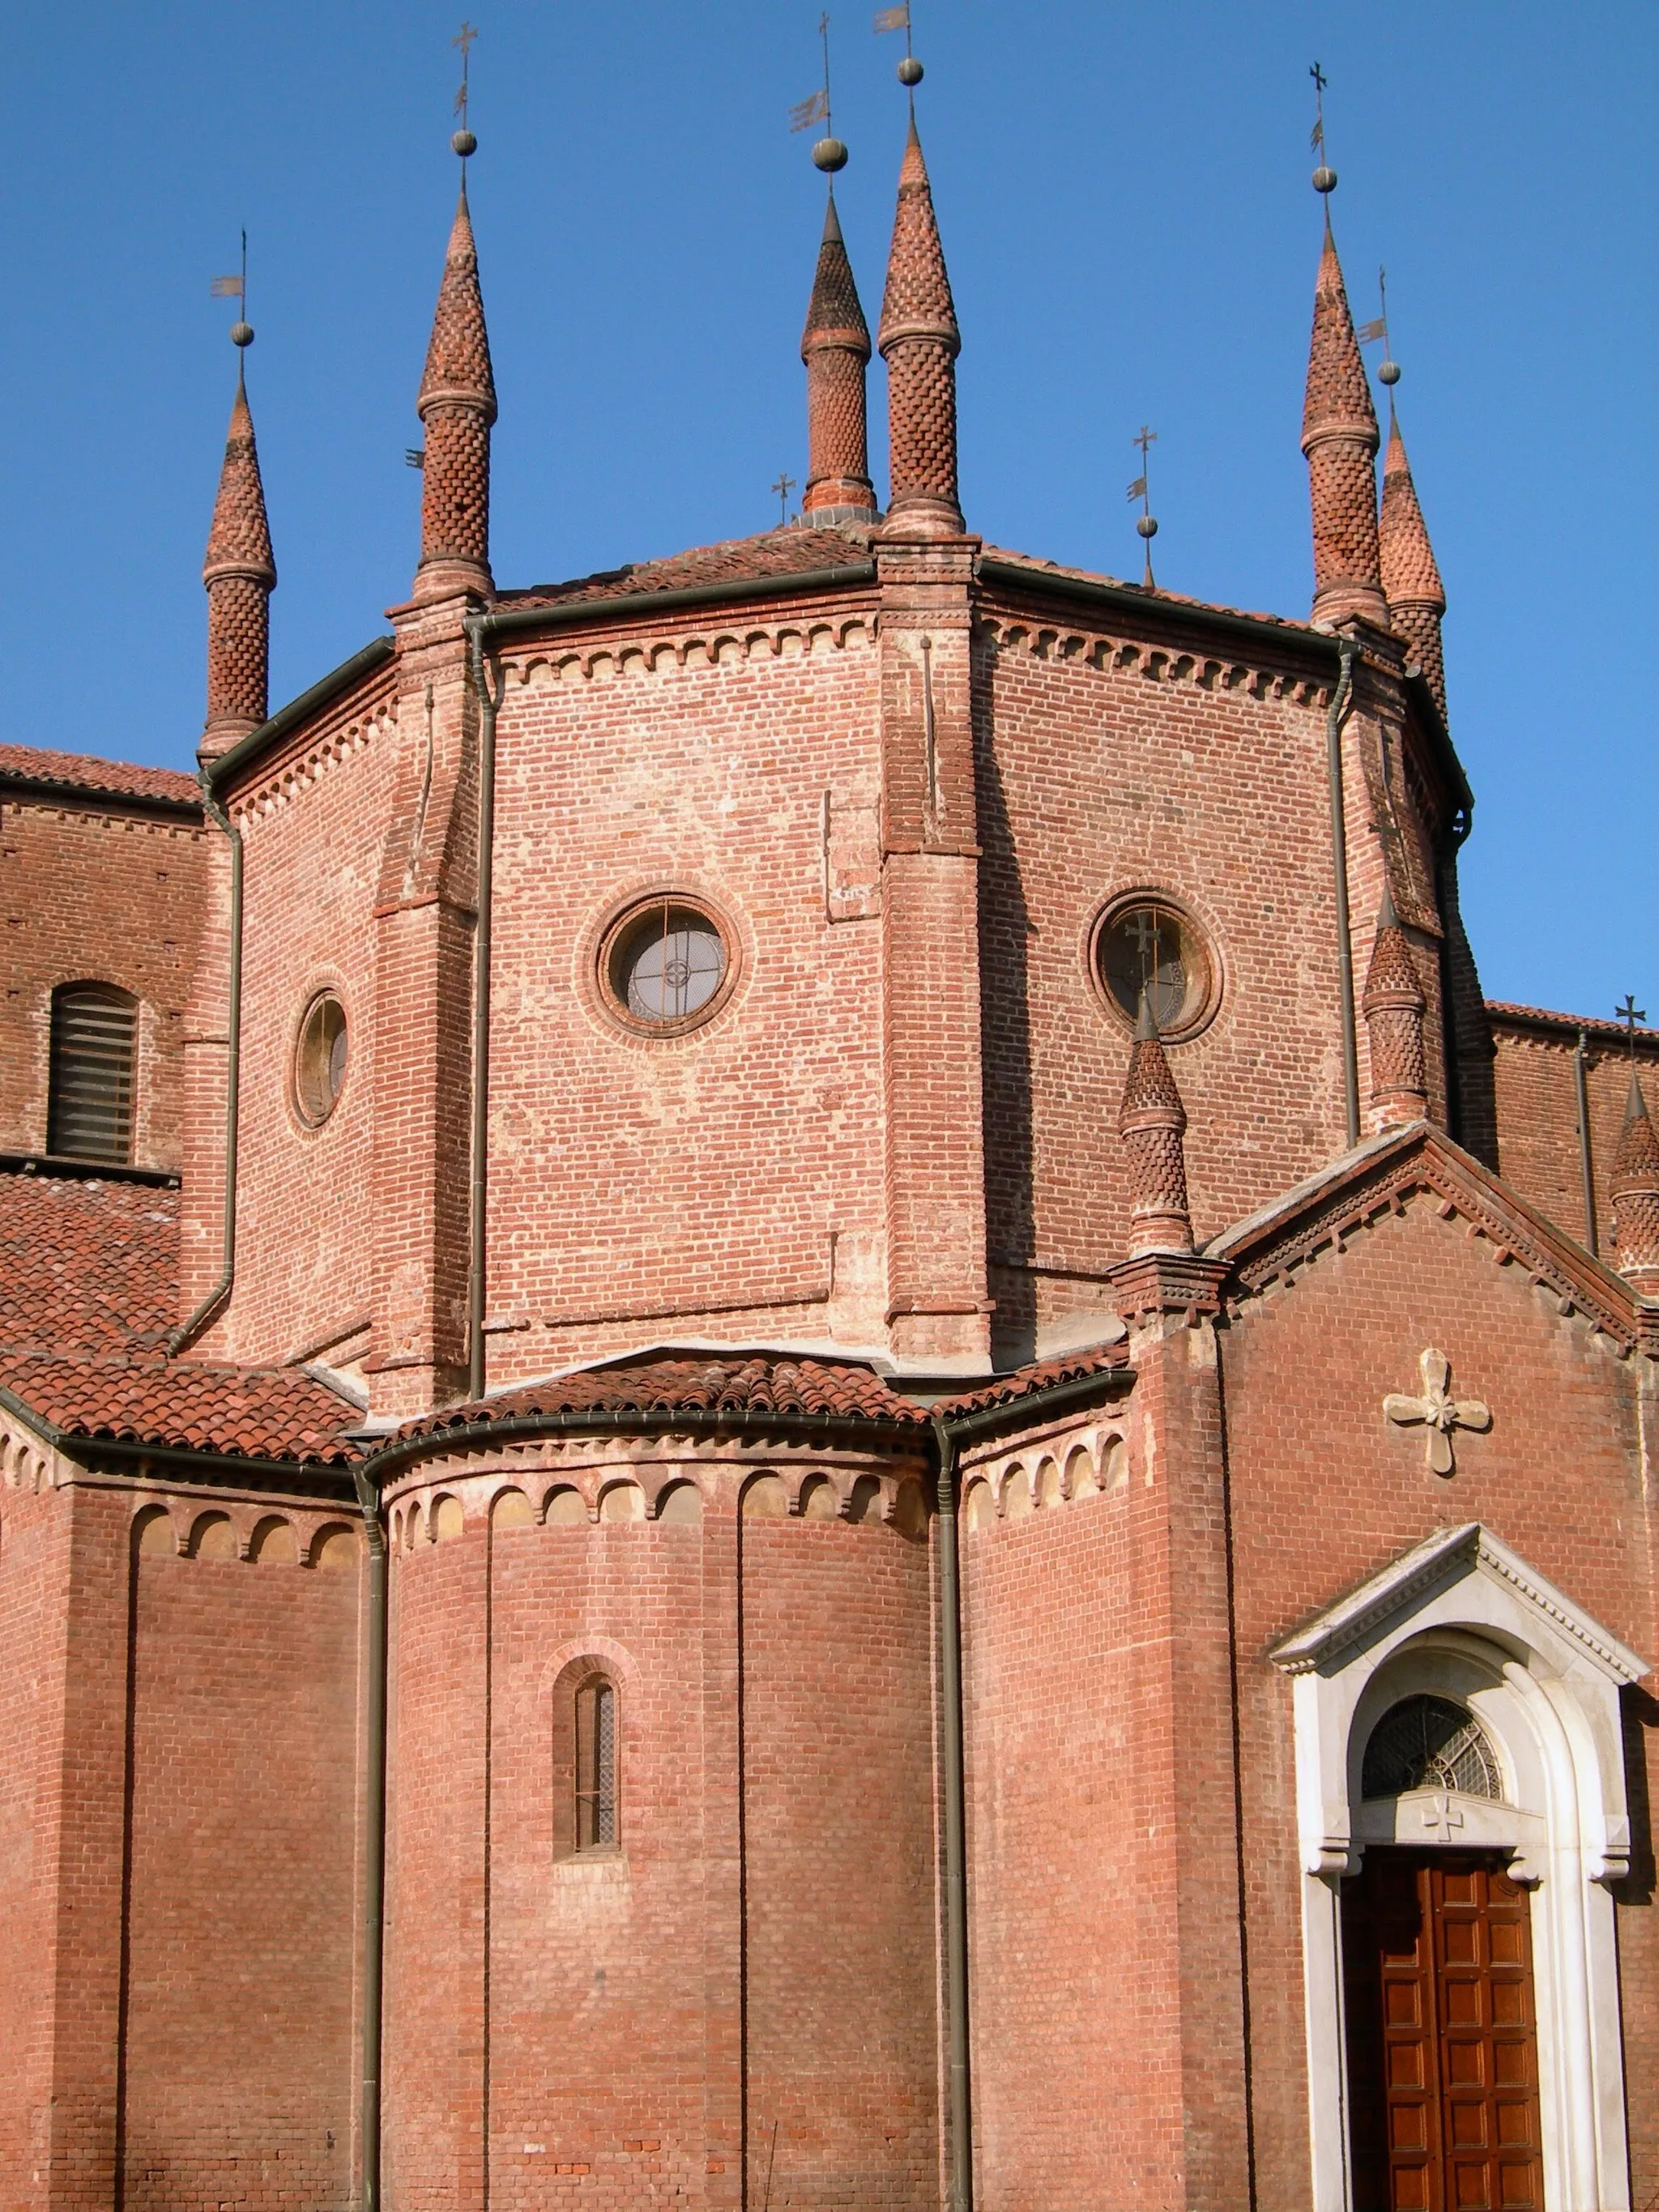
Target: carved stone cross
column 1436, row 1410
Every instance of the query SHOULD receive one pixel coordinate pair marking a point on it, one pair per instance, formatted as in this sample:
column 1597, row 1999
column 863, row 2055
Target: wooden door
column 1442, row 2047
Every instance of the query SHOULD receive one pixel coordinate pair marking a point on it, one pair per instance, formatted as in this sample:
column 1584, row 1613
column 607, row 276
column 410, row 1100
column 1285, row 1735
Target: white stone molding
column 1462, row 1616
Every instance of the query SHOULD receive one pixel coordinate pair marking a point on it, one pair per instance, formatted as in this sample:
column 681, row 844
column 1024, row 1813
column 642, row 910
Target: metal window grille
column 90, row 1095
column 596, row 1767
column 1428, row 1743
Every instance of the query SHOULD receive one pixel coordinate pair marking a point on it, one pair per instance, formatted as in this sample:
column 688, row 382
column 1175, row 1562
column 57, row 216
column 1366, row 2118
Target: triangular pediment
column 1410, row 1583
column 1420, row 1164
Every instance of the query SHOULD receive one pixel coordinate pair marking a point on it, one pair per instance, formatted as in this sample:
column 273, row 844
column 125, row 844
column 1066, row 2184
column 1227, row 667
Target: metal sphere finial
column 1389, row 371
column 909, row 71
column 463, row 143
column 241, row 334
column 1324, row 178
column 1147, row 525
column 831, row 154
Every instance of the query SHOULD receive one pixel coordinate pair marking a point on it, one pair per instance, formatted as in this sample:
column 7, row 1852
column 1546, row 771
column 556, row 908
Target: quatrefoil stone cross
column 1437, row 1411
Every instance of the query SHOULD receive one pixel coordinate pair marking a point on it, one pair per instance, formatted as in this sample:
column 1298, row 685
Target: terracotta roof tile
column 1155, row 597
column 1507, row 1009
column 87, row 1267
column 184, row 1405
column 780, row 553
column 33, row 765
column 1009, row 1389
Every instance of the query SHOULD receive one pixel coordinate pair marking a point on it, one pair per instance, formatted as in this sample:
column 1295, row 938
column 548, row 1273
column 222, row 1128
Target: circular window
column 319, row 1059
column 1148, row 946
column 664, row 964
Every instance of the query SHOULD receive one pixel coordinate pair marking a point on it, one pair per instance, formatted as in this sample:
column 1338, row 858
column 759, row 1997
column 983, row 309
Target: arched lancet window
column 597, row 1828
column 94, row 1030
column 1428, row 1743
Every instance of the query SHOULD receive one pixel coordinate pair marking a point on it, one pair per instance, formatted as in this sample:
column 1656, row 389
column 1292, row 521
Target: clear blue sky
column 1123, row 193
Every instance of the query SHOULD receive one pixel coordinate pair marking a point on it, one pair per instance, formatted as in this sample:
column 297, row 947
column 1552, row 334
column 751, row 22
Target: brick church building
column 797, row 1406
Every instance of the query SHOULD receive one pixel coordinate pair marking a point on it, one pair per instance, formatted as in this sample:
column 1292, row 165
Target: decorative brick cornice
column 1167, row 1283
column 599, row 660
column 1150, row 664
column 312, row 758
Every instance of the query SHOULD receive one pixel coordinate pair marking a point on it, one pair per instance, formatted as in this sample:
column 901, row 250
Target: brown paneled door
column 1442, row 2044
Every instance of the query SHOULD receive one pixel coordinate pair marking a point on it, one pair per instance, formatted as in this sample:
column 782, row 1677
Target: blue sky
column 1123, row 193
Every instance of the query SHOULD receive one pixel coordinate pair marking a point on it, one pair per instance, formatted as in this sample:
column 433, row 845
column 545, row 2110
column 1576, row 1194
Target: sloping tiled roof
column 1158, row 597
column 87, row 1267
column 85, row 772
column 184, row 1405
column 1506, row 1011
column 764, row 1382
column 780, row 553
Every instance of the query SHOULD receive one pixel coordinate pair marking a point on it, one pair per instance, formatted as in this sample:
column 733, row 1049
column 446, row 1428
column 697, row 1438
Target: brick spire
column 1410, row 580
column 835, row 346
column 1151, row 1122
column 919, row 341
column 1636, row 1194
column 1338, row 436
column 239, row 575
column 457, row 403
column 1395, row 1007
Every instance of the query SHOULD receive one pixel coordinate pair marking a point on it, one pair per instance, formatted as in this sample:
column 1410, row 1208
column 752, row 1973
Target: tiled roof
column 1157, row 597
column 87, row 1267
column 768, row 1382
column 780, row 553
column 1506, row 1010
column 184, row 1405
column 83, row 770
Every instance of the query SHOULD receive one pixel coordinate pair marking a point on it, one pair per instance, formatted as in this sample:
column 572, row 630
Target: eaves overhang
column 237, row 759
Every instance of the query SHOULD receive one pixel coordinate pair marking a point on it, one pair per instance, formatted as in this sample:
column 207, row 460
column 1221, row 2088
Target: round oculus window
column 664, row 963
column 319, row 1059
column 1147, row 948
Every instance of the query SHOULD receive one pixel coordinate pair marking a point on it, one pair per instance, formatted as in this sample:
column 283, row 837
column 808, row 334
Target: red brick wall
column 1325, row 1492
column 1098, row 779
column 113, row 897
column 312, row 836
column 1538, row 1142
column 597, row 2028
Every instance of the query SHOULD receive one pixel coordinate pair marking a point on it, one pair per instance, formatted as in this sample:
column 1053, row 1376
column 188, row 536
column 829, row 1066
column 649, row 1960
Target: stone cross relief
column 1438, row 1411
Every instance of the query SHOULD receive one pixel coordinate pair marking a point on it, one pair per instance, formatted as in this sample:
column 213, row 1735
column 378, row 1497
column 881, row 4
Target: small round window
column 319, row 1059
column 664, row 963
column 1145, row 946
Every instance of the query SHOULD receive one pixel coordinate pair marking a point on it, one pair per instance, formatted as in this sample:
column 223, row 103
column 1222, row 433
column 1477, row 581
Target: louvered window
column 89, row 1106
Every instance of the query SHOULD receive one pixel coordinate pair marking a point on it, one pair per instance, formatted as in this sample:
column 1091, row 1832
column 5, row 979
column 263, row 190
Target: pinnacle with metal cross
column 783, row 487
column 464, row 39
column 1630, row 1013
column 1436, row 1410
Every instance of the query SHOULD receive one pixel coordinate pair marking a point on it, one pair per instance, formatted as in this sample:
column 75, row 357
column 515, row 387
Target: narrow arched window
column 89, row 1097
column 597, row 1825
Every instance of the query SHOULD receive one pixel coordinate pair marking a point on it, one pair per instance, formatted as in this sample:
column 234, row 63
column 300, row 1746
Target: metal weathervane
column 1324, row 177
column 235, row 287
column 1147, row 526
column 898, row 19
column 464, row 39
column 1368, row 333
column 827, row 152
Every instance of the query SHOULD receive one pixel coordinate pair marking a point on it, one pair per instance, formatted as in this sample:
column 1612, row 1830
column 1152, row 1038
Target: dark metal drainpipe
column 489, row 705
column 1585, row 1163
column 190, row 1330
column 368, row 1498
column 960, row 2103
column 1339, row 698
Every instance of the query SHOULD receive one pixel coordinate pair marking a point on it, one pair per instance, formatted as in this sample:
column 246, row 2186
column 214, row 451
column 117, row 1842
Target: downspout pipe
column 1586, row 1166
column 370, row 2001
column 489, row 701
column 960, row 2094
column 212, row 1306
column 1334, row 721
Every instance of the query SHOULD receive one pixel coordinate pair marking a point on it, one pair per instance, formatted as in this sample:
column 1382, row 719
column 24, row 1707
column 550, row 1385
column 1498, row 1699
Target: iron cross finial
column 783, row 487
column 1630, row 1013
column 464, row 39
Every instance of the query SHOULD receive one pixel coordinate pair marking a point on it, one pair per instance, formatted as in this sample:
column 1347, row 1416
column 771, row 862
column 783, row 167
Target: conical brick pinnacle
column 836, row 346
column 1393, row 1005
column 1636, row 1194
column 1339, row 437
column 920, row 341
column 1152, row 1122
column 1411, row 577
column 239, row 574
column 457, row 403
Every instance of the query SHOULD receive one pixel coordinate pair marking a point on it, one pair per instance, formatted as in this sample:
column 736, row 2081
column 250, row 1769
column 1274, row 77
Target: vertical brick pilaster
column 934, row 1167
column 1191, row 1962
column 425, row 918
